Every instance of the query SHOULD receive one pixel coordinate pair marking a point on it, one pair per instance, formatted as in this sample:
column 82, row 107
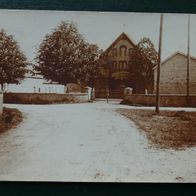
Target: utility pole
column 159, row 63
column 188, row 61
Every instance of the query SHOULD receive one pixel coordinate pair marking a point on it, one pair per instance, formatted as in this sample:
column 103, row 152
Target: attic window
column 123, row 51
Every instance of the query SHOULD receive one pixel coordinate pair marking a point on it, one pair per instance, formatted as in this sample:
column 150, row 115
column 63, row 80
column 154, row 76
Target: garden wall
column 45, row 98
column 165, row 100
column 1, row 103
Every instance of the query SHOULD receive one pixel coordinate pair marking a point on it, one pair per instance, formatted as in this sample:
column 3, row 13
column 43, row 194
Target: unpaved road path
column 87, row 142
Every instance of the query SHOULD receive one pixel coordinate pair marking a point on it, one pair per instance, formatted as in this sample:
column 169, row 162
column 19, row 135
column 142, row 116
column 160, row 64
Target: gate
column 116, row 94
column 113, row 94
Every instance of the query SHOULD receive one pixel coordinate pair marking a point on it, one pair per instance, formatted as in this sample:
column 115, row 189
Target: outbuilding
column 173, row 75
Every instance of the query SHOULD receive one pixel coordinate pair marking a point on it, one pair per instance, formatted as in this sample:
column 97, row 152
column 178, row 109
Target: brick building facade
column 116, row 72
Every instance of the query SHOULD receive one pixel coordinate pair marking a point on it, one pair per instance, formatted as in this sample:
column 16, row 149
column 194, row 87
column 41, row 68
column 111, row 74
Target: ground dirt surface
column 168, row 129
column 87, row 142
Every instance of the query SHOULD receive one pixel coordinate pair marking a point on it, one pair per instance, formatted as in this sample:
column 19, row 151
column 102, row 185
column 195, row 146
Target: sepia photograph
column 97, row 96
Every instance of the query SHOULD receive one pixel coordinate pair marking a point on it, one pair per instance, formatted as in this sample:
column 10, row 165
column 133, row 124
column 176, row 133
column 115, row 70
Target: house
column 37, row 84
column 173, row 75
column 34, row 84
column 116, row 72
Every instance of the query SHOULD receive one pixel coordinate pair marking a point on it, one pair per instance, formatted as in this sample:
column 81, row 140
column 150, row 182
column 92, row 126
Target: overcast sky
column 30, row 27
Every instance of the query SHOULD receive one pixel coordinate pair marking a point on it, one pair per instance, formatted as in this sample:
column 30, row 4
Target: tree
column 12, row 61
column 61, row 55
column 65, row 57
column 92, row 64
column 142, row 61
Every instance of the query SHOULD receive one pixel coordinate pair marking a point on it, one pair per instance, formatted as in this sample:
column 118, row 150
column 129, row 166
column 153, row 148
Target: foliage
column 12, row 61
column 92, row 64
column 65, row 57
column 142, row 61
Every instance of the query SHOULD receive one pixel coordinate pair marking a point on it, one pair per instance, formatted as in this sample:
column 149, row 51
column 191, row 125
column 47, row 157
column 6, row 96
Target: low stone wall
column 1, row 103
column 165, row 100
column 45, row 98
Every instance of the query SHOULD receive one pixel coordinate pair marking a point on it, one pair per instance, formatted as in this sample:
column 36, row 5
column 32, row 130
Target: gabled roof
column 173, row 55
column 120, row 37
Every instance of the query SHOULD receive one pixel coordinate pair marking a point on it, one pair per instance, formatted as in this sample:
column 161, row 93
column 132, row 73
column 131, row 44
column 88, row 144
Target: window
column 114, row 52
column 114, row 65
column 123, row 51
column 119, row 64
column 124, row 64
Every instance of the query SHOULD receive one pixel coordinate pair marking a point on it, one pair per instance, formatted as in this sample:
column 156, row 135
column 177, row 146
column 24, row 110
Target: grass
column 169, row 129
column 10, row 118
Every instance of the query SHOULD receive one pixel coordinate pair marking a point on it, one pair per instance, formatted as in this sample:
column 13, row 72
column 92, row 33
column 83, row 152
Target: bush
column 10, row 118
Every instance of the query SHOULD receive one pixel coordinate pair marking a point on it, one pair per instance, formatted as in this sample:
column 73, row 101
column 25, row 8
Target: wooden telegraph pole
column 188, row 61
column 159, row 63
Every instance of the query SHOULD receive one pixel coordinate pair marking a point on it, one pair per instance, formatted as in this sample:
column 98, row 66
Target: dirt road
column 87, row 142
